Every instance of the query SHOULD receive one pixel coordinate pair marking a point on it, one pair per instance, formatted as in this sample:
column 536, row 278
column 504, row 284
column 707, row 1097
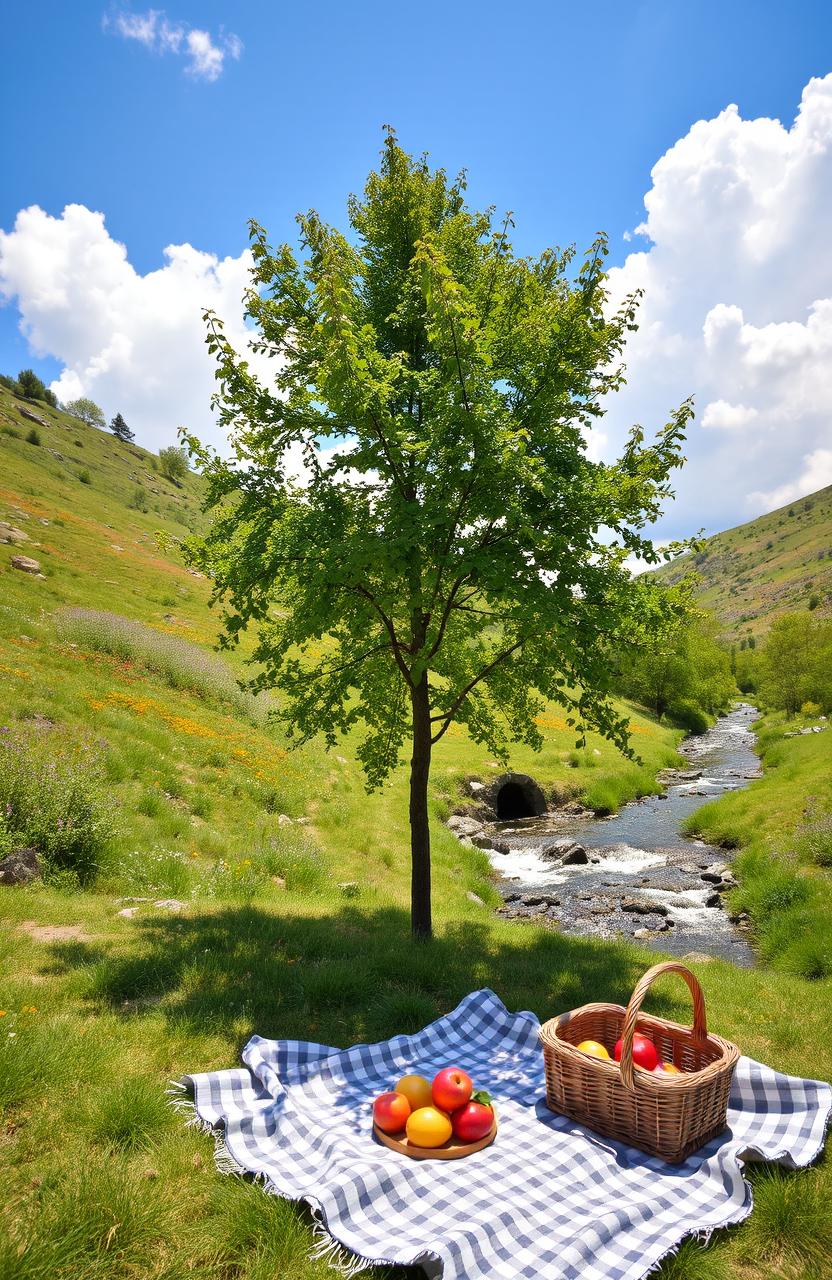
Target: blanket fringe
column 185, row 1106
column 338, row 1258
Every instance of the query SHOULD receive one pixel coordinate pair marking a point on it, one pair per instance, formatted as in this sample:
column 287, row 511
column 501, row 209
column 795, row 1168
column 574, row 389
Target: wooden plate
column 453, row 1149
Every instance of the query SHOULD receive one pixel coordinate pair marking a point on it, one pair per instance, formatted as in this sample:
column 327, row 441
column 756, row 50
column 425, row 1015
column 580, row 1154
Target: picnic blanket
column 549, row 1200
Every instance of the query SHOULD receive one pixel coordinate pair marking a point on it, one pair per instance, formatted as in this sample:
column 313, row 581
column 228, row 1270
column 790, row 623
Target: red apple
column 472, row 1122
column 451, row 1089
column 390, row 1112
column 644, row 1052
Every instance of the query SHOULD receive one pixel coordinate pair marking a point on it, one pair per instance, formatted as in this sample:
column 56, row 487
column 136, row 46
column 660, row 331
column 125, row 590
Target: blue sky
column 558, row 111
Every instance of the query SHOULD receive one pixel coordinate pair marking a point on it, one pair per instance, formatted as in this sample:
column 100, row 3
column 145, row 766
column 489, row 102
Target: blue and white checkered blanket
column 549, row 1200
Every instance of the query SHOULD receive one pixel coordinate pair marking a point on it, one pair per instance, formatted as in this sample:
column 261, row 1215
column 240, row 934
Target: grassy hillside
column 780, row 562
column 294, row 885
column 193, row 770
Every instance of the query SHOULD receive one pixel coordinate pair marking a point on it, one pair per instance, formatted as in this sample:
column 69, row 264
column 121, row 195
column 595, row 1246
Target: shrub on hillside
column 689, row 716
column 53, row 797
column 173, row 463
column 181, row 664
column 814, row 838
column 33, row 436
column 84, row 476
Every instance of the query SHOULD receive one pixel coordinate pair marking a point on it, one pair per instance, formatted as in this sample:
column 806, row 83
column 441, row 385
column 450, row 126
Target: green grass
column 134, row 1003
column 781, row 826
column 98, row 1181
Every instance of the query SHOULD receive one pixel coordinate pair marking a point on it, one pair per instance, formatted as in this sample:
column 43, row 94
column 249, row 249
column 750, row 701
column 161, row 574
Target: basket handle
column 700, row 1024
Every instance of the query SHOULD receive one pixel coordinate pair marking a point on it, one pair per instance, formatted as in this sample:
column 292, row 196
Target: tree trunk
column 420, row 916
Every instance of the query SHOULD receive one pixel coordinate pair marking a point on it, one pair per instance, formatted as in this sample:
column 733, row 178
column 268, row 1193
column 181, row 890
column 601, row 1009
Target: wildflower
column 2, row 1013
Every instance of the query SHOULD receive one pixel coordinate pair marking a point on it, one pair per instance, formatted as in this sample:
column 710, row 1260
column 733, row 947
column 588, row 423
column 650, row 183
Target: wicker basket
column 669, row 1116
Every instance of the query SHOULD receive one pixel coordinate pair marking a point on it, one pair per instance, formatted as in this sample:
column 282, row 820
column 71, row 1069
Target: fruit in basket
column 474, row 1120
column 594, row 1048
column 644, row 1052
column 428, row 1127
column 666, row 1069
column 451, row 1089
column 391, row 1112
column 417, row 1090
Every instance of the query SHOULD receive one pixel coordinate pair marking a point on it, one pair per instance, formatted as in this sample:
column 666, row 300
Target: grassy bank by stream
column 781, row 826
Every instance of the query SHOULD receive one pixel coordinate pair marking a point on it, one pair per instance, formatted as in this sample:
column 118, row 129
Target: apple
column 472, row 1122
column 451, row 1089
column 666, row 1069
column 594, row 1048
column 391, row 1112
column 644, row 1052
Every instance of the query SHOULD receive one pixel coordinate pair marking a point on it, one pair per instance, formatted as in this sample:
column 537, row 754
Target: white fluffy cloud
column 738, row 311
column 204, row 59
column 133, row 343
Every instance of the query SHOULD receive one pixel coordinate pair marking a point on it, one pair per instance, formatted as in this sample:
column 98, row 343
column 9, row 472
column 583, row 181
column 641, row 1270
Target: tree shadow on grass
column 349, row 976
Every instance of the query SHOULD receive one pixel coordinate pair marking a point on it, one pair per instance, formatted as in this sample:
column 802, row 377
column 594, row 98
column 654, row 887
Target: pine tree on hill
column 120, row 428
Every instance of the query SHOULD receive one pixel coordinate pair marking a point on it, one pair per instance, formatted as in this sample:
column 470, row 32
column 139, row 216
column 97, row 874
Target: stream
column 634, row 873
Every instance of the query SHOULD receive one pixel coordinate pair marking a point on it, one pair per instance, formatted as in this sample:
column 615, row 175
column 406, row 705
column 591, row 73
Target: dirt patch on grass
column 54, row 932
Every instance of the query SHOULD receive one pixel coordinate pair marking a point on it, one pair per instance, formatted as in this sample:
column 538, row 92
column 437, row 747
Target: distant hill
column 777, row 563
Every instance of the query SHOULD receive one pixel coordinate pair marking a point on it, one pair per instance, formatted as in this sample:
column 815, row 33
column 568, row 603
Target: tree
column 173, row 463
column 796, row 663
column 32, row 388
column 120, row 428
column 445, row 561
column 687, row 674
column 88, row 411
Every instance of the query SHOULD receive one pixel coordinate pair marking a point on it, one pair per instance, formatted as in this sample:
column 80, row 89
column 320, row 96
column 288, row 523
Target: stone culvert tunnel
column 515, row 795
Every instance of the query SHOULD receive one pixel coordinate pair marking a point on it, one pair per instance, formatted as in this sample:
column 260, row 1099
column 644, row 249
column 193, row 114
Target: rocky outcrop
column 21, row 866
column 642, row 907
column 566, row 852
column 463, row 825
column 30, row 416
column 26, row 565
column 10, row 535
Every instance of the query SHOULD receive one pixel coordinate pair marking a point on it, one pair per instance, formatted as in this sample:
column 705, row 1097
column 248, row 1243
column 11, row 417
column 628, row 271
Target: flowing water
column 643, row 876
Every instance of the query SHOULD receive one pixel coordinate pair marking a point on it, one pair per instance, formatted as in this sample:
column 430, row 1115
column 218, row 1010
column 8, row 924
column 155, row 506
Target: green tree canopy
column 796, row 663
column 88, row 411
column 687, row 673
column 456, row 555
column 173, row 463
column 31, row 386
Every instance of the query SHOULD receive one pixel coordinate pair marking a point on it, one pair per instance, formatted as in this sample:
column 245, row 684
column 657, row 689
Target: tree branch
column 447, row 716
column 395, row 643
